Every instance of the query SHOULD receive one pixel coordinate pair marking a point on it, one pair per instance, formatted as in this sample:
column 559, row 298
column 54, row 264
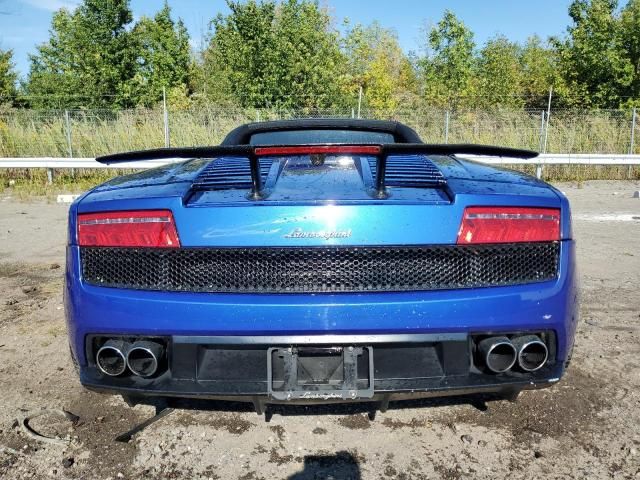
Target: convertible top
column 401, row 133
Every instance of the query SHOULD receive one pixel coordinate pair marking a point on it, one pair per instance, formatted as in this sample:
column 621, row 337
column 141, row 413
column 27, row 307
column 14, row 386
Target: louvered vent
column 410, row 171
column 228, row 173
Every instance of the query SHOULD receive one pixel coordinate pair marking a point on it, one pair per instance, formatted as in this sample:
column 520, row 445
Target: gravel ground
column 588, row 426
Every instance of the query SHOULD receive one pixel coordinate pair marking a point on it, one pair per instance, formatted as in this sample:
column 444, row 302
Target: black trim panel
column 318, row 339
column 329, row 269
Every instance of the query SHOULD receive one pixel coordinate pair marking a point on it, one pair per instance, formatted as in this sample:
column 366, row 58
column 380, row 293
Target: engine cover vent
column 410, row 171
column 227, row 173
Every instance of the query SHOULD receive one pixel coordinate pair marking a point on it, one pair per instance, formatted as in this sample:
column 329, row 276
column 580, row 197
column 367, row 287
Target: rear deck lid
column 320, row 174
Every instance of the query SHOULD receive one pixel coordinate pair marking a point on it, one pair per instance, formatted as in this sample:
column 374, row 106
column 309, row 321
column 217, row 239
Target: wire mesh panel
column 320, row 269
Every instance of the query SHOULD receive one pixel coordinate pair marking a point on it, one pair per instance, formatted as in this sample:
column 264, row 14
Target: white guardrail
column 540, row 161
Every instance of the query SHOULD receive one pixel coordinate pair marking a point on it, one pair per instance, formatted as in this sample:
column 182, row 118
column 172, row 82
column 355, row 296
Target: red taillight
column 315, row 149
column 509, row 224
column 140, row 228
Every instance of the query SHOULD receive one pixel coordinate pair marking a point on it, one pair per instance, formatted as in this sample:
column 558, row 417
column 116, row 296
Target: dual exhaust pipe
column 500, row 354
column 142, row 358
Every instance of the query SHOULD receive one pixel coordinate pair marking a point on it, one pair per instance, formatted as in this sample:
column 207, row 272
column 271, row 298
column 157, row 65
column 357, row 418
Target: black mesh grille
column 320, row 269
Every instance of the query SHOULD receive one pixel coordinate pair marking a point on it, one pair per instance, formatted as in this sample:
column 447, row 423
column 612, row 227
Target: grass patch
column 25, row 133
column 24, row 183
column 581, row 173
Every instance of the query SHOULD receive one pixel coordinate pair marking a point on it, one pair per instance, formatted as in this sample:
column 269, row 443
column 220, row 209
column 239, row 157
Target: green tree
column 210, row 79
column 629, row 37
column 90, row 59
column 540, row 73
column 376, row 63
column 500, row 76
column 164, row 56
column 239, row 56
column 592, row 58
column 8, row 78
column 276, row 54
column 448, row 67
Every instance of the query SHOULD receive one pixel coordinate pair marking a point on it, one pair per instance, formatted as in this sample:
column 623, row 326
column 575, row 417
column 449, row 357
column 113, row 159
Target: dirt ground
column 588, row 426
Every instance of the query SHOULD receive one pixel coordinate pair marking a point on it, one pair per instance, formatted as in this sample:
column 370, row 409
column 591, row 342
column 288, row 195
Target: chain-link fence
column 87, row 133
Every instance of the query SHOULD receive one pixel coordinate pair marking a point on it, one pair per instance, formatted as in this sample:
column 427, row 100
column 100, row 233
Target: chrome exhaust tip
column 111, row 359
column 532, row 352
column 498, row 353
column 143, row 358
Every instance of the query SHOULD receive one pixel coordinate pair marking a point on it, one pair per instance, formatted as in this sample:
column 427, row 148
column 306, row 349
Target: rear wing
column 253, row 154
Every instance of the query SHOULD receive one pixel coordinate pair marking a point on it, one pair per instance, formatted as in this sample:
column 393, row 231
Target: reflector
column 140, row 228
column 509, row 225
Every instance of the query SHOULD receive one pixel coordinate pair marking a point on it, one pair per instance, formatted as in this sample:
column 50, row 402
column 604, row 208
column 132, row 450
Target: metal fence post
column 633, row 138
column 67, row 125
column 67, row 134
column 540, row 143
column 546, row 130
column 541, row 139
column 633, row 132
column 446, row 127
column 540, row 168
column 167, row 139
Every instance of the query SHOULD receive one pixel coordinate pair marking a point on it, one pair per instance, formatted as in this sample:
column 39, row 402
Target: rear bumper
column 259, row 401
column 191, row 321
column 239, row 368
column 550, row 305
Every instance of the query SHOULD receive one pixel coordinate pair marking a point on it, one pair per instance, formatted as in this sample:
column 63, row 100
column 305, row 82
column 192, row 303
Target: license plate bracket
column 322, row 373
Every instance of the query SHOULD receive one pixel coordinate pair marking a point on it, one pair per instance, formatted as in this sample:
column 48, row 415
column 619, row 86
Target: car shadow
column 342, row 465
column 164, row 406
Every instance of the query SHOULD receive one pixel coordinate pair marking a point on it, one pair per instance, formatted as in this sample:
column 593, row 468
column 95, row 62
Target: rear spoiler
column 253, row 153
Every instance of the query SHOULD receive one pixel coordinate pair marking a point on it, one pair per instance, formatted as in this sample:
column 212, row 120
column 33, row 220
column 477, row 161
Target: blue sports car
column 320, row 261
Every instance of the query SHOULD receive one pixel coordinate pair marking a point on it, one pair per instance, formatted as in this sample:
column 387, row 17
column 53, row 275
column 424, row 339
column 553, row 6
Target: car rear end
column 451, row 278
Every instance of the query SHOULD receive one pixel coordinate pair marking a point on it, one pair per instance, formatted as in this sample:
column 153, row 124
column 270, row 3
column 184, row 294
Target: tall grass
column 94, row 132
column 26, row 133
column 91, row 133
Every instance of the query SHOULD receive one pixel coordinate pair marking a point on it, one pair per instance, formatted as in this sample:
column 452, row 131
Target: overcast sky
column 25, row 23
